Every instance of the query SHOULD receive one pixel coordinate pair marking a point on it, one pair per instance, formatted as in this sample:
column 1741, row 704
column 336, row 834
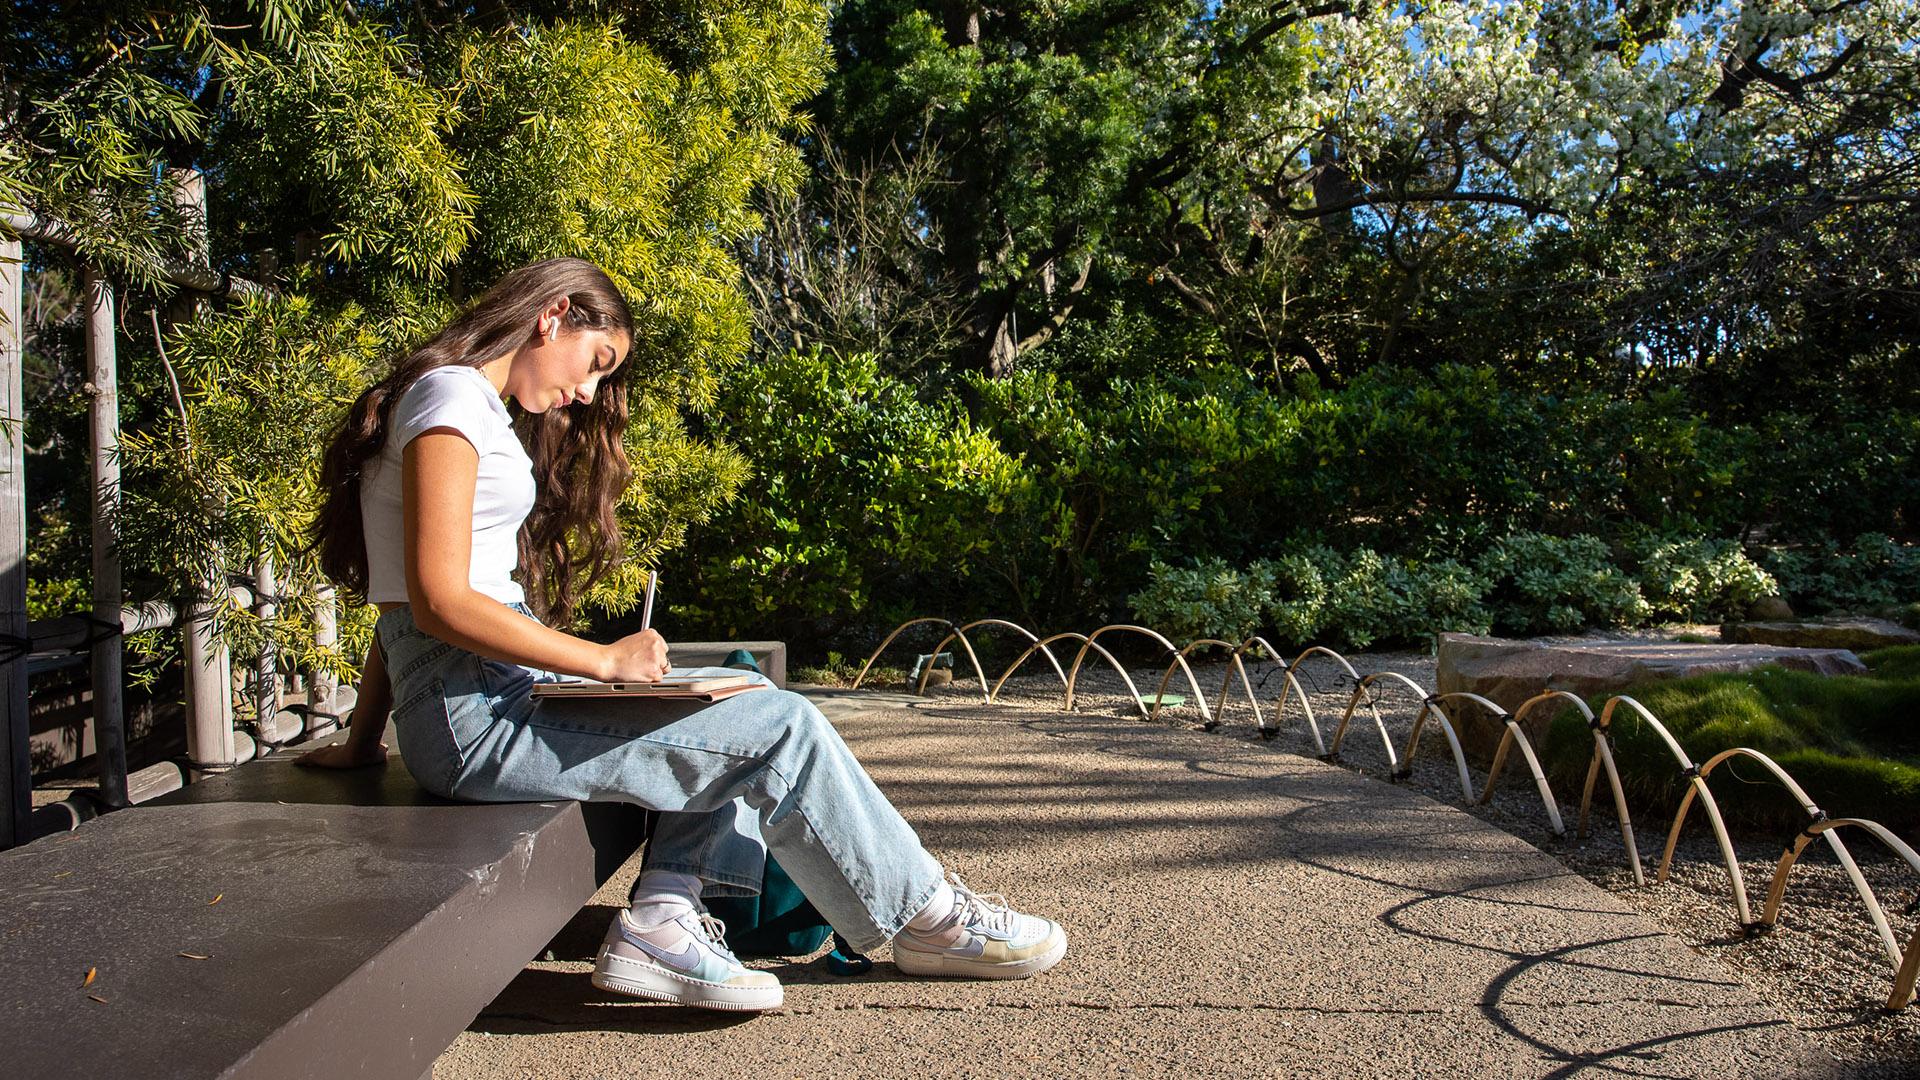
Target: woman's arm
column 439, row 471
column 369, row 721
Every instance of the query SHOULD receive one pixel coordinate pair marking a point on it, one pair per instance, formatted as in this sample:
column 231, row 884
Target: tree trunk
column 962, row 19
column 1333, row 186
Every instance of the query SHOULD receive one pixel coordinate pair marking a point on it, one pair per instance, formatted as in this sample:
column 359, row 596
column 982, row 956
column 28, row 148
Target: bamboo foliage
column 379, row 164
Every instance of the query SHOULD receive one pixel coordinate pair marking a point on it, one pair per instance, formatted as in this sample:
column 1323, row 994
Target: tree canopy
column 1339, row 184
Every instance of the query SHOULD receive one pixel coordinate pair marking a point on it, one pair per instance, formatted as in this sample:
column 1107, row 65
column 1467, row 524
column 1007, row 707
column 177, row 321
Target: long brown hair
column 572, row 536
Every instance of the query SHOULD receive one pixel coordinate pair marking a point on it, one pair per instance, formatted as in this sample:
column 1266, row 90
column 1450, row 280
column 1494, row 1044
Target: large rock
column 1509, row 672
column 1852, row 633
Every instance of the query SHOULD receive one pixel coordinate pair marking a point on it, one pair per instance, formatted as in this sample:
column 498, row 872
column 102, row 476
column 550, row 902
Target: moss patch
column 1852, row 742
column 1898, row 662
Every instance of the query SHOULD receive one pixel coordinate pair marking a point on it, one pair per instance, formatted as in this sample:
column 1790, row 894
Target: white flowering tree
column 1433, row 127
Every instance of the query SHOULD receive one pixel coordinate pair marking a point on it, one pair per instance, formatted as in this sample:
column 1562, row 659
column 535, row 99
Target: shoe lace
column 716, row 934
column 988, row 910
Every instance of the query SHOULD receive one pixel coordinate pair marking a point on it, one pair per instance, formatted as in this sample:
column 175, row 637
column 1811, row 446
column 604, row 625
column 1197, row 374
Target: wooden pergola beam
column 187, row 275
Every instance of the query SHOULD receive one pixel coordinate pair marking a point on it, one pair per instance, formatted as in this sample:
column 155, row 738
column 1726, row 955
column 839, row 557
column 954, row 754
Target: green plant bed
column 1897, row 662
column 1852, row 742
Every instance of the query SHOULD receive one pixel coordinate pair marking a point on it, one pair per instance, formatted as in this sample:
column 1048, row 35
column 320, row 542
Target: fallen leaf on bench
column 88, row 981
column 195, row 955
column 96, row 997
column 215, row 900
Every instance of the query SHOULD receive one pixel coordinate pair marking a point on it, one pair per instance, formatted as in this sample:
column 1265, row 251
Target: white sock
column 937, row 911
column 663, row 895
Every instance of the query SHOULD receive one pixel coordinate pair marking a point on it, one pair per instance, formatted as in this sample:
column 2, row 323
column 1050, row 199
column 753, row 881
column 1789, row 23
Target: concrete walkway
column 1233, row 911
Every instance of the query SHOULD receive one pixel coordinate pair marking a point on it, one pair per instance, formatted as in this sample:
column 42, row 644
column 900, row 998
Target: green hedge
column 1395, row 504
column 1527, row 583
column 1871, row 572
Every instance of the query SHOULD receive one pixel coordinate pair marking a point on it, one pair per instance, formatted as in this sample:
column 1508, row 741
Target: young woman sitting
column 465, row 532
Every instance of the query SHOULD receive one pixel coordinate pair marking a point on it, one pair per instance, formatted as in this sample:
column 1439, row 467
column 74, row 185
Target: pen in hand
column 646, row 610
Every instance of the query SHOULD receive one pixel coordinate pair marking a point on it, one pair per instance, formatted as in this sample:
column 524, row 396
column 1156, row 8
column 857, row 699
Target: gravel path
column 1822, row 966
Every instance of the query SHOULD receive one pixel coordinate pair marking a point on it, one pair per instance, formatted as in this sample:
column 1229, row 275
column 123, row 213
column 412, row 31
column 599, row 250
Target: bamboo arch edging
column 1512, row 736
column 1602, row 755
column 1433, row 706
column 1814, row 814
column 1306, row 705
column 1906, row 962
column 1233, row 656
column 961, row 631
column 954, row 631
column 1695, row 784
column 1227, row 680
column 1086, row 643
column 1906, row 966
column 1361, row 687
column 1179, row 659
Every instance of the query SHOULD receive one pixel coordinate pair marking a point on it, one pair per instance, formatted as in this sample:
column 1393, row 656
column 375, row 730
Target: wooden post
column 209, row 678
column 211, row 747
column 16, row 772
column 322, row 710
column 109, row 716
column 266, row 688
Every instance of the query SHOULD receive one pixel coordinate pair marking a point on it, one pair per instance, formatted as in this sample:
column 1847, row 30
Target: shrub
column 869, row 504
column 1314, row 595
column 1699, row 580
column 1546, row 584
column 1374, row 598
column 1210, row 600
column 1873, row 572
column 1298, row 609
column 1526, row 583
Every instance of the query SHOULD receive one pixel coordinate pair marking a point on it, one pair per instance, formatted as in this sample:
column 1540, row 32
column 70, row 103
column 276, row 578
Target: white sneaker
column 982, row 939
column 683, row 960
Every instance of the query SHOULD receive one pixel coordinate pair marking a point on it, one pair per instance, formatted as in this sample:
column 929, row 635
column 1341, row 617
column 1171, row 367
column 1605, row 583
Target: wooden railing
column 213, row 743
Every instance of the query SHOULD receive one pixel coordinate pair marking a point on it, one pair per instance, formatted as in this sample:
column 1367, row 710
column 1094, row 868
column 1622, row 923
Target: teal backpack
column 780, row 921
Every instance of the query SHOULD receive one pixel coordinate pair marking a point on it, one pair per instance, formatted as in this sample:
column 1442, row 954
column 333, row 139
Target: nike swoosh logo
column 972, row 949
column 686, row 959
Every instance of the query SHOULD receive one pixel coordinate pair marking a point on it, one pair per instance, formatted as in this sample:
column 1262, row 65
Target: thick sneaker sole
column 656, row 983
column 916, row 962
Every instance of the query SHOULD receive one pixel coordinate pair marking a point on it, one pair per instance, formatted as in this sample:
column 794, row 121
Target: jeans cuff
column 889, row 932
column 713, row 882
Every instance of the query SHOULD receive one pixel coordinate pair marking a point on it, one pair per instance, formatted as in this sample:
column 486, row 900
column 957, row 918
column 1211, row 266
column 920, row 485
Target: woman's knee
column 800, row 722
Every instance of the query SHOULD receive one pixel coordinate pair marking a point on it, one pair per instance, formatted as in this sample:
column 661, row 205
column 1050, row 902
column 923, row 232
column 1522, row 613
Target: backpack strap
column 844, row 961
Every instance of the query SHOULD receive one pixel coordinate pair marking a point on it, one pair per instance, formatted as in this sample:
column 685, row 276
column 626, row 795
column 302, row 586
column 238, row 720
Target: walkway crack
column 1216, row 1006
column 1141, row 1006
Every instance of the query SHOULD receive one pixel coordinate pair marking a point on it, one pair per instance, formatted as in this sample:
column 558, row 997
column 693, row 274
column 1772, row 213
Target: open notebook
column 672, row 687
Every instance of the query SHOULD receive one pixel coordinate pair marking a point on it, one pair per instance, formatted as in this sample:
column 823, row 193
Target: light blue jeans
column 729, row 779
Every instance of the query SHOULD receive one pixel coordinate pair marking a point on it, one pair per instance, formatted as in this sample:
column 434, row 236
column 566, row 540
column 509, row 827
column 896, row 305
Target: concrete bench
column 769, row 656
column 350, row 924
column 280, row 923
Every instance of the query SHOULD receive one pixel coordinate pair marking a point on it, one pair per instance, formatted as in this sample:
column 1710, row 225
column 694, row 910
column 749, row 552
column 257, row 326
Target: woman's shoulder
column 454, row 383
column 454, row 396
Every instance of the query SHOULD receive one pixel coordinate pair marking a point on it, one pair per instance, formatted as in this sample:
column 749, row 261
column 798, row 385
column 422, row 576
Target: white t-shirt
column 463, row 399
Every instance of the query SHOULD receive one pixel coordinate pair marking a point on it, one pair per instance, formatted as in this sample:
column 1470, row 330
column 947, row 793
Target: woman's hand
column 640, row 657
column 346, row 755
